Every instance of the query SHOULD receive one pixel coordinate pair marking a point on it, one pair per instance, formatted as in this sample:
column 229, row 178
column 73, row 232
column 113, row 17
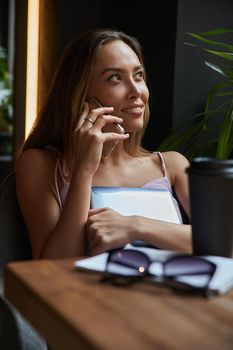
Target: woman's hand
column 107, row 229
column 89, row 138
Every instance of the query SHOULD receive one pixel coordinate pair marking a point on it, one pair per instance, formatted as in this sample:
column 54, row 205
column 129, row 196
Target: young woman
column 75, row 144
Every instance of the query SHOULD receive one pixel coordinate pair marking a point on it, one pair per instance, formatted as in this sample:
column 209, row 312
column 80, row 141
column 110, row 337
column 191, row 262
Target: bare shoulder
column 173, row 158
column 35, row 166
column 34, row 185
column 176, row 163
column 35, row 157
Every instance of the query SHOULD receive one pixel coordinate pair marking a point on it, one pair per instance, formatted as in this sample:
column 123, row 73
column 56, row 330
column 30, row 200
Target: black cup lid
column 208, row 164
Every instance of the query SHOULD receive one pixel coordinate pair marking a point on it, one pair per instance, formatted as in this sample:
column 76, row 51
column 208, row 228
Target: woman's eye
column 139, row 75
column 114, row 77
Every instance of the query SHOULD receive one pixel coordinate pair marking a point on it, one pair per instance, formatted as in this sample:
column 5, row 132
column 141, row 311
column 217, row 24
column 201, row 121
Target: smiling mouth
column 134, row 110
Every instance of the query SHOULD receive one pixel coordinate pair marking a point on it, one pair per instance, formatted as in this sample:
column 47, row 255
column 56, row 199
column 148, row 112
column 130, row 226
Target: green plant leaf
column 211, row 42
column 210, row 133
column 211, row 95
column 218, row 31
column 230, row 144
column 225, row 134
column 225, row 93
column 222, row 70
column 226, row 55
column 178, row 139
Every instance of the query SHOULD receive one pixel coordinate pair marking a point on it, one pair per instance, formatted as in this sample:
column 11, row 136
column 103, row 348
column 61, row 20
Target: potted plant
column 209, row 133
column 6, row 110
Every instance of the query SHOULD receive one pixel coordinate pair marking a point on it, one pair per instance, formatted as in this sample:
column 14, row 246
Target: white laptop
column 147, row 202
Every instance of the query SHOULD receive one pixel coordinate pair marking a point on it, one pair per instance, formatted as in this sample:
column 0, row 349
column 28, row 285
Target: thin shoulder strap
column 162, row 164
column 61, row 171
column 56, row 189
column 62, row 168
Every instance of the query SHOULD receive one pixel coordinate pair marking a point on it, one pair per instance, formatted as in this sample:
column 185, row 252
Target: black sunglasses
column 125, row 266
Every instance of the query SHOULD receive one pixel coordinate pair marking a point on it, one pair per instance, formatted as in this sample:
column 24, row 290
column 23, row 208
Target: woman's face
column 118, row 81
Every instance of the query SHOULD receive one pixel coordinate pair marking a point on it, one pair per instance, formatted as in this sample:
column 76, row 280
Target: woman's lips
column 133, row 110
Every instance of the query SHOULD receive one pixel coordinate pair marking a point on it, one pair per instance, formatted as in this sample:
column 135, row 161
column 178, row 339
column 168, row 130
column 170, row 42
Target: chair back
column 9, row 331
column 14, row 239
column 15, row 331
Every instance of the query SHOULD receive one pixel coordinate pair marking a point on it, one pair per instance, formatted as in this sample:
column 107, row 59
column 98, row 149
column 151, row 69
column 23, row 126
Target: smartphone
column 113, row 127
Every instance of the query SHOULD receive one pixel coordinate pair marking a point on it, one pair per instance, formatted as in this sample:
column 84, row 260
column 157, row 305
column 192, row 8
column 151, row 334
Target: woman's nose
column 134, row 90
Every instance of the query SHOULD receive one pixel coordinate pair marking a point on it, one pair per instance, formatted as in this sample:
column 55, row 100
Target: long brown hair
column 56, row 120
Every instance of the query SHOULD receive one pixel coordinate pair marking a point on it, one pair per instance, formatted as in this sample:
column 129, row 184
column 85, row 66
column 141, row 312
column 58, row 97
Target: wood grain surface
column 74, row 310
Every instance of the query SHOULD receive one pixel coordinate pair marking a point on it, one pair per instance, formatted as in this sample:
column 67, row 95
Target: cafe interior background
column 33, row 33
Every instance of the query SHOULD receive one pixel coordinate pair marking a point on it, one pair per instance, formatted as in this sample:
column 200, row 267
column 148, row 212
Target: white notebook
column 147, row 202
column 221, row 282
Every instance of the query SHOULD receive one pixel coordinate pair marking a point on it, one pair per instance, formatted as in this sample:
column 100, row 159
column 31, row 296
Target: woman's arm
column 108, row 230
column 55, row 233
column 176, row 165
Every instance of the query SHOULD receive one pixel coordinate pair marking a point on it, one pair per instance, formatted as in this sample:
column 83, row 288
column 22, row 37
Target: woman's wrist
column 81, row 175
column 136, row 228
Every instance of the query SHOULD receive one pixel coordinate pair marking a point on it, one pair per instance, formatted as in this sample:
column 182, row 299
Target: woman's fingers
column 99, row 118
column 95, row 123
column 95, row 211
column 90, row 138
column 103, row 120
column 90, row 119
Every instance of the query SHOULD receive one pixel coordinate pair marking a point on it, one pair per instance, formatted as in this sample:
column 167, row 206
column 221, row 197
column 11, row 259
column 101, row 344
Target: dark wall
column 179, row 79
column 193, row 78
column 154, row 24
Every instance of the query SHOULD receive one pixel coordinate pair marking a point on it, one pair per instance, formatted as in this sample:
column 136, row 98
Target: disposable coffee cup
column 211, row 203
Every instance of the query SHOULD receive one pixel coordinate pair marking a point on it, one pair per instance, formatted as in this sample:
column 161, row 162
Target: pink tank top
column 160, row 183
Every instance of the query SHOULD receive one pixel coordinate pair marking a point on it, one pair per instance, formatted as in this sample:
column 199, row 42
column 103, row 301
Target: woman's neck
column 117, row 156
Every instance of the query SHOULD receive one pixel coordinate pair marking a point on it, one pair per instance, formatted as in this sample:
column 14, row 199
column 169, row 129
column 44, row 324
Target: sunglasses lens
column 127, row 262
column 187, row 266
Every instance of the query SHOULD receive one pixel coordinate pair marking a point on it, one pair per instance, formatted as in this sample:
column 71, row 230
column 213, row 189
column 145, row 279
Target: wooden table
column 74, row 310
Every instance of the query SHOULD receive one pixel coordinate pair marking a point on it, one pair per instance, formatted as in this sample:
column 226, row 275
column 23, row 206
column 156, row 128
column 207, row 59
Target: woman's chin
column 134, row 127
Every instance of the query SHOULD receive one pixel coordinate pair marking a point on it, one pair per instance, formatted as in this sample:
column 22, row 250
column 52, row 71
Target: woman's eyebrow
column 111, row 69
column 116, row 69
